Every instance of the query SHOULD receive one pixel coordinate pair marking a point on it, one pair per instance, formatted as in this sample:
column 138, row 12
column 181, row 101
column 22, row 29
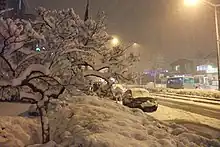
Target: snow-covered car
column 140, row 98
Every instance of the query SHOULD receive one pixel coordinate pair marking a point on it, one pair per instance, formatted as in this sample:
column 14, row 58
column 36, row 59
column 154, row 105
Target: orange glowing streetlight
column 115, row 41
column 191, row 2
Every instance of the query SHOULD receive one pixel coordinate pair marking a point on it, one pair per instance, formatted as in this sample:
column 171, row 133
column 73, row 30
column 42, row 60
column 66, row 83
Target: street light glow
column 191, row 2
column 115, row 41
column 135, row 45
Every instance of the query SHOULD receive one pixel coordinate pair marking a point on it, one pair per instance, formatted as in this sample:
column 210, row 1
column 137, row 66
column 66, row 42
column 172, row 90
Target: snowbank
column 18, row 131
column 209, row 127
column 95, row 122
column 194, row 92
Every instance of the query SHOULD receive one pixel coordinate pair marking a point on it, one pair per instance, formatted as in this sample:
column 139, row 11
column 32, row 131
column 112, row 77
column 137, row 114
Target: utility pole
column 215, row 6
column 86, row 16
column 217, row 41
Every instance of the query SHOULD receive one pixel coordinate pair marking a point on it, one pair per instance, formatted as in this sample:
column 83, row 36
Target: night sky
column 165, row 27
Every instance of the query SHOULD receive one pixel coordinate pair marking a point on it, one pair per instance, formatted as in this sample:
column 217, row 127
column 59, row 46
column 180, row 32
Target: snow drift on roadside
column 89, row 121
column 194, row 92
column 94, row 122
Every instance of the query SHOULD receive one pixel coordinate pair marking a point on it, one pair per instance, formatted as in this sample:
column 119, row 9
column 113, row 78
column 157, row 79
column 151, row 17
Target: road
column 203, row 125
column 207, row 110
column 200, row 117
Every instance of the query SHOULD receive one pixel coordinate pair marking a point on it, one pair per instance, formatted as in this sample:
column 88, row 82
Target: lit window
column 177, row 68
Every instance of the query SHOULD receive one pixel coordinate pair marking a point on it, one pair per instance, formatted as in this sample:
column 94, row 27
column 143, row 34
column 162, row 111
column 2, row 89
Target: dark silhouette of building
column 3, row 4
column 183, row 66
column 211, row 59
column 17, row 5
column 29, row 17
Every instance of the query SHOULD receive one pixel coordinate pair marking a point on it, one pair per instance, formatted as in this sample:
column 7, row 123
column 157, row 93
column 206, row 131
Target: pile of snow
column 18, row 131
column 194, row 92
column 165, row 113
column 49, row 144
column 94, row 122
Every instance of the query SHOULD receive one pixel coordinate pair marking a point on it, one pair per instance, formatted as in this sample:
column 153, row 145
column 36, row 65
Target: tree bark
column 45, row 127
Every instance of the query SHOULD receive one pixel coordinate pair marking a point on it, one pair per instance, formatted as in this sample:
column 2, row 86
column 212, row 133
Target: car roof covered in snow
column 138, row 89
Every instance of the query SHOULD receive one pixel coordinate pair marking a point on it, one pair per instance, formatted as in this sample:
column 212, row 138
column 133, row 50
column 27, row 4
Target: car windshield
column 140, row 93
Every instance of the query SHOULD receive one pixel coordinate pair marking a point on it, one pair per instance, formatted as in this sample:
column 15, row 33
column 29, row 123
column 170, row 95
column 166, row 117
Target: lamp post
column 215, row 6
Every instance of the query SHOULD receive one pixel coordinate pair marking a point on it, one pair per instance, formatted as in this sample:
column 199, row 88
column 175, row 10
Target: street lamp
column 135, row 44
column 215, row 6
column 191, row 2
column 115, row 41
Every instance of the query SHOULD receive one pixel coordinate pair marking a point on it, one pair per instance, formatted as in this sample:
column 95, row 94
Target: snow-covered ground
column 97, row 123
column 165, row 113
column 202, row 93
column 18, row 131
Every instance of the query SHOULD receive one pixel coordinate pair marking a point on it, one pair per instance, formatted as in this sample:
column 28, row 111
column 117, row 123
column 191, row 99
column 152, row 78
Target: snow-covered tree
column 23, row 74
column 70, row 50
column 82, row 48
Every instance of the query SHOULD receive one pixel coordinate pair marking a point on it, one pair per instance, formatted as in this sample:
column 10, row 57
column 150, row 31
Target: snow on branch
column 104, row 76
column 4, row 83
column 73, row 50
column 6, row 10
column 28, row 71
column 30, row 96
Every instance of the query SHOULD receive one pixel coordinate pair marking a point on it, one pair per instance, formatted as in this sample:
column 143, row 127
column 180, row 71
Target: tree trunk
column 45, row 128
